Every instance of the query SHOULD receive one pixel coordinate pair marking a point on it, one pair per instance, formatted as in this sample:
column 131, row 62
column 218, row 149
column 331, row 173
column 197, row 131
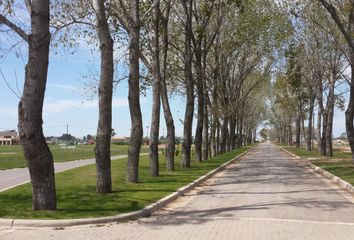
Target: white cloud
column 60, row 106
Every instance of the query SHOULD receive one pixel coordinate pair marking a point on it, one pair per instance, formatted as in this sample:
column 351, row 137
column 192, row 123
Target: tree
column 343, row 16
column 189, row 82
column 155, row 118
column 104, row 129
column 134, row 98
column 37, row 154
column 170, row 138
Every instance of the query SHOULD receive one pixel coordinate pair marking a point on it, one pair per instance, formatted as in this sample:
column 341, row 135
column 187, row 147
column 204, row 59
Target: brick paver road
column 268, row 196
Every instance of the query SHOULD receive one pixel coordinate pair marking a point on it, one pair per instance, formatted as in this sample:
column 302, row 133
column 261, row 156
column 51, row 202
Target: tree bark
column 156, row 105
column 324, row 130
column 349, row 113
column 104, row 129
column 232, row 132
column 309, row 126
column 188, row 117
column 200, row 112
column 218, row 148
column 298, row 129
column 134, row 95
column 290, row 135
column 170, row 138
column 224, row 133
column 36, row 152
column 319, row 127
column 347, row 30
column 240, row 132
column 213, row 141
column 329, row 129
column 205, row 128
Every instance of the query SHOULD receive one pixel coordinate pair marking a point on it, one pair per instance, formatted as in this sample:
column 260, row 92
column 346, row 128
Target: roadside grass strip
column 76, row 196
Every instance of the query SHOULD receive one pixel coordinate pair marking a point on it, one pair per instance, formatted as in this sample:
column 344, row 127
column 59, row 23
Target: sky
column 67, row 103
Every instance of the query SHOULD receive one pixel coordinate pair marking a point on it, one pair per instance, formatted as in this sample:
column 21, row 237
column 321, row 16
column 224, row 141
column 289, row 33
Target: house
column 120, row 140
column 9, row 137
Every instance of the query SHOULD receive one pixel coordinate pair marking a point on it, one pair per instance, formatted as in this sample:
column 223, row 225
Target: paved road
column 18, row 176
column 268, row 196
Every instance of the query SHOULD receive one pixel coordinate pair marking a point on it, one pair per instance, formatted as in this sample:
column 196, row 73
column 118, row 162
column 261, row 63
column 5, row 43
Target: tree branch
column 333, row 11
column 15, row 28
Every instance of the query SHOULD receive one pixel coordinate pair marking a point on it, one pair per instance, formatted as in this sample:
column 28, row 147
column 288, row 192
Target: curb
column 344, row 184
column 145, row 212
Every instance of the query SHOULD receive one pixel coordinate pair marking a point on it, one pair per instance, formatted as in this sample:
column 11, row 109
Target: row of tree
column 218, row 54
column 315, row 74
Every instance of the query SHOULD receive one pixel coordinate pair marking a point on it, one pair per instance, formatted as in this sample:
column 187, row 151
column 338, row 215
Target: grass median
column 12, row 156
column 340, row 164
column 77, row 198
column 302, row 152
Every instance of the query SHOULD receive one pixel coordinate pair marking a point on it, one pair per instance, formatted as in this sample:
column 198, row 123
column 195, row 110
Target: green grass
column 12, row 156
column 340, row 164
column 302, row 152
column 76, row 190
column 343, row 170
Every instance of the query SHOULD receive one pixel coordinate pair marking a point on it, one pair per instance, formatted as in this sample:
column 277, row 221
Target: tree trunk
column 155, row 118
column 319, row 127
column 36, row 152
column 324, row 130
column 349, row 113
column 188, row 117
column 254, row 135
column 224, row 133
column 134, row 95
column 200, row 112
column 104, row 129
column 233, row 133
column 218, row 148
column 170, row 138
column 309, row 127
column 213, row 140
column 290, row 135
column 298, row 129
column 240, row 137
column 329, row 129
column 205, row 128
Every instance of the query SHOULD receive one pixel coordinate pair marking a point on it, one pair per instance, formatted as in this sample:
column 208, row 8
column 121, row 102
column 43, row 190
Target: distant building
column 120, row 140
column 52, row 140
column 9, row 137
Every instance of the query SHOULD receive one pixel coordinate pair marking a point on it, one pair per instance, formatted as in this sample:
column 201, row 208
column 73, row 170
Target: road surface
column 268, row 196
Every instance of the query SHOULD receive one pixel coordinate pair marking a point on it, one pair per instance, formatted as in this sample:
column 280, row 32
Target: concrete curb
column 330, row 176
column 145, row 212
column 333, row 178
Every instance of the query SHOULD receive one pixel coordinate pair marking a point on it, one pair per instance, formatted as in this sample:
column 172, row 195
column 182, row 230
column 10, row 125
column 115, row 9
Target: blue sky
column 65, row 100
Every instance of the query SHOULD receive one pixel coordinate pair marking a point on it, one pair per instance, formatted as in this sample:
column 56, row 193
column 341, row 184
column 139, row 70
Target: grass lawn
column 340, row 164
column 76, row 190
column 344, row 170
column 314, row 154
column 12, row 156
